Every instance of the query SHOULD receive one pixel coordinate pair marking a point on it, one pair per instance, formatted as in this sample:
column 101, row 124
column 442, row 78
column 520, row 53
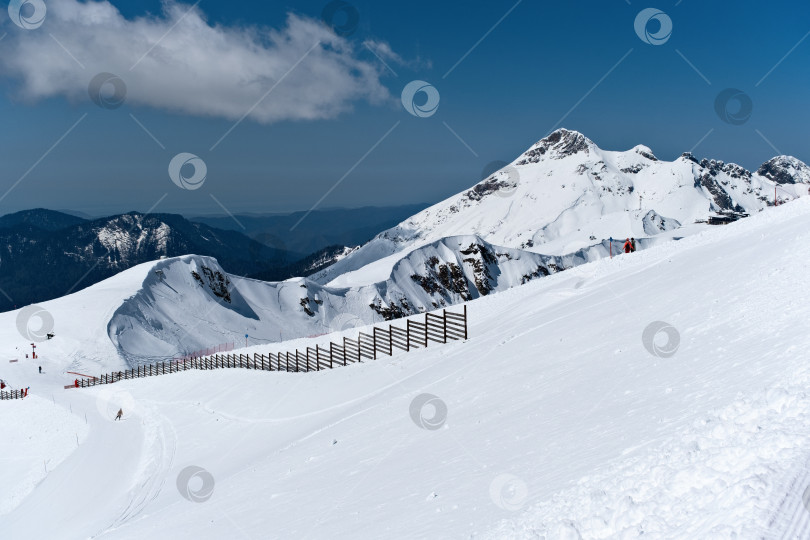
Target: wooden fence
column 12, row 394
column 437, row 328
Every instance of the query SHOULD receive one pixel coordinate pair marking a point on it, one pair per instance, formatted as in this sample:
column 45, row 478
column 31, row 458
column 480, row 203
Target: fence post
column 465, row 322
column 296, row 360
column 331, row 346
column 426, row 330
column 407, row 335
column 390, row 340
column 444, row 312
column 374, row 339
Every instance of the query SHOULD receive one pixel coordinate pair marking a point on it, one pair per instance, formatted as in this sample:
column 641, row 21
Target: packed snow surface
column 562, row 416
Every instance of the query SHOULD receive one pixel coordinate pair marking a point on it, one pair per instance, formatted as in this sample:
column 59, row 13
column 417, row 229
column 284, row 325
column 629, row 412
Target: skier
column 628, row 247
column 76, row 383
column 633, row 244
column 120, row 414
column 40, row 369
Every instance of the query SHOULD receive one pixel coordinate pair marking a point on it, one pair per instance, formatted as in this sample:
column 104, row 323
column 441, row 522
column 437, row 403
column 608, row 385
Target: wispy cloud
column 180, row 62
column 383, row 52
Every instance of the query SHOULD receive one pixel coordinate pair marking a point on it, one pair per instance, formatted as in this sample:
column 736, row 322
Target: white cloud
column 384, row 52
column 197, row 68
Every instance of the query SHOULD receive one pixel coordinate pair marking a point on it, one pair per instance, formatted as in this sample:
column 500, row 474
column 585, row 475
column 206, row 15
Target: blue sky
column 333, row 130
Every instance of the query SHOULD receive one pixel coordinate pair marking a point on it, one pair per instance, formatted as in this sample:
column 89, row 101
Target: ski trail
column 91, row 485
column 790, row 518
column 158, row 458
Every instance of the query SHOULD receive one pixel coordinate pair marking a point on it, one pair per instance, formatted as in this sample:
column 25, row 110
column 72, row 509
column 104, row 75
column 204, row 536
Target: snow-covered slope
column 565, row 194
column 564, row 419
column 181, row 305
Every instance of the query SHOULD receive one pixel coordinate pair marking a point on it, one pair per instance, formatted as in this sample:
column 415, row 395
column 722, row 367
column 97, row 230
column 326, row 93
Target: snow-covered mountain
column 552, row 209
column 189, row 303
column 565, row 194
column 561, row 417
column 175, row 306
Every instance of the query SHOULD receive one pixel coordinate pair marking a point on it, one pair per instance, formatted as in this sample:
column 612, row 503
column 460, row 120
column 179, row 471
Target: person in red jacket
column 628, row 246
column 76, row 382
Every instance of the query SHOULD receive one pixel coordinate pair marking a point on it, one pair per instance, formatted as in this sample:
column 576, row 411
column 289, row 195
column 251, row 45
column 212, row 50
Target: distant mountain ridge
column 46, row 254
column 49, row 220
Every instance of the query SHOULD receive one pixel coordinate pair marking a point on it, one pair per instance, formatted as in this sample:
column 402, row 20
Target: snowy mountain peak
column 565, row 195
column 645, row 152
column 785, row 170
column 560, row 144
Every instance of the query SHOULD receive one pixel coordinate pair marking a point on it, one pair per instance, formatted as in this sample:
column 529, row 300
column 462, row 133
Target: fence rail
column 12, row 394
column 439, row 328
